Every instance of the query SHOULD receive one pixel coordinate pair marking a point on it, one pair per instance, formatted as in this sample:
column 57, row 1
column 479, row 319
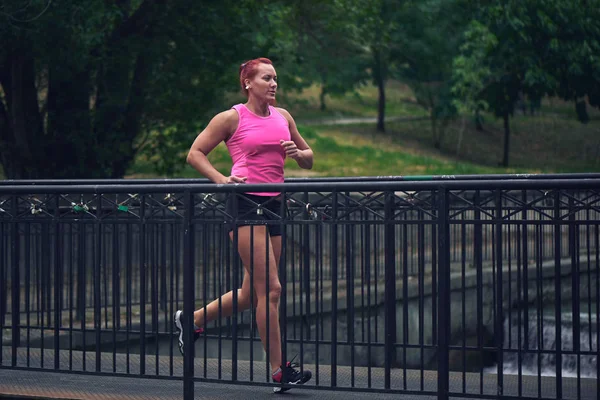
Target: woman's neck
column 258, row 107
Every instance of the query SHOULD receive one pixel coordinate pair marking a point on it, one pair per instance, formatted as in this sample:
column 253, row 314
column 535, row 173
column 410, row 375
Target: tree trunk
column 478, row 121
column 437, row 142
column 69, row 123
column 460, row 135
column 133, row 116
column 323, row 106
column 581, row 110
column 21, row 128
column 506, row 139
column 5, row 132
column 121, row 97
column 380, row 76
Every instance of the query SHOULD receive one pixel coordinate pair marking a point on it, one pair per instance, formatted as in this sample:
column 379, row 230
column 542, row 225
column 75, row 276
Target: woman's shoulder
column 226, row 122
column 227, row 116
column 285, row 113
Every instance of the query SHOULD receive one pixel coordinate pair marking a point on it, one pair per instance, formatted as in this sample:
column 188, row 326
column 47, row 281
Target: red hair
column 249, row 69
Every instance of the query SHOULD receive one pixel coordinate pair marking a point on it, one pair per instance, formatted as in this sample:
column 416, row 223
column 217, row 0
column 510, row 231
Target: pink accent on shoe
column 278, row 375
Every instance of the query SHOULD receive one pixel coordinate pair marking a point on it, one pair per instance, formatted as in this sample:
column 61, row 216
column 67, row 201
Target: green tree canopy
column 530, row 48
column 82, row 81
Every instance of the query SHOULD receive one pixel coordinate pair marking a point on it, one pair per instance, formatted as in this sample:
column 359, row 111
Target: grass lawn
column 550, row 141
column 541, row 143
column 305, row 106
column 346, row 151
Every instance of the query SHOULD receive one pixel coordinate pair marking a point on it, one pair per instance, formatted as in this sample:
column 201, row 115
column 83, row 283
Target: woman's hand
column 235, row 179
column 290, row 148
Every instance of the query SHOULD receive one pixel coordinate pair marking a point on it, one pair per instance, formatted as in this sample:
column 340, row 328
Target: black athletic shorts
column 252, row 210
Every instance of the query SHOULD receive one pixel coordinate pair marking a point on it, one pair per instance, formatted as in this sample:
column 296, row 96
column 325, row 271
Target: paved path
column 162, row 379
column 49, row 385
column 356, row 120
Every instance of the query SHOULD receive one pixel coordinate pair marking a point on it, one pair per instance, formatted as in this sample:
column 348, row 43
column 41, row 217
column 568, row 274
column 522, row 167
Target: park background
column 112, row 89
column 120, row 89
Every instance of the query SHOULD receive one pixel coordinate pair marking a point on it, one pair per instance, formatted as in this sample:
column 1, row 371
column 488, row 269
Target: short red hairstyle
column 249, row 69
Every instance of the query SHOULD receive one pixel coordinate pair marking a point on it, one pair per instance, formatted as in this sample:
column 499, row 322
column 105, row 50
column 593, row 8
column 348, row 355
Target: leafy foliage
column 94, row 77
column 86, row 86
column 528, row 49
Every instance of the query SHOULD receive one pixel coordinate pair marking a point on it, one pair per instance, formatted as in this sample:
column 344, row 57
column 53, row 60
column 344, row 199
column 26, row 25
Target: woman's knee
column 275, row 292
column 244, row 300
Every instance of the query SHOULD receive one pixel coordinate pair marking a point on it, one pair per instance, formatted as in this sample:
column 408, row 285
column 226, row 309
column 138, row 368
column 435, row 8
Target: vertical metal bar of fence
column 525, row 299
column 155, row 292
column 253, row 324
column 334, row 287
column 349, row 253
column 58, row 274
column 283, row 279
column 304, row 278
column 116, row 252
column 205, row 280
column 478, row 263
column 153, row 279
column 421, row 290
column 405, row 302
column 44, row 284
column 128, row 290
column 367, row 274
column 237, row 264
column 267, row 304
column 574, row 251
column 188, row 296
column 597, row 248
column 81, row 281
column 557, row 293
column 520, row 266
column 163, row 265
column 172, row 292
column 143, row 263
column 297, row 284
column 539, row 275
column 390, row 287
column 104, row 231
column 443, row 223
column 27, row 266
column 116, row 295
column 231, row 257
column 229, row 253
column 306, row 270
column 97, row 290
column 71, row 292
column 463, row 313
column 434, row 275
column 16, row 283
column 499, row 320
column 38, row 300
column 3, row 285
column 588, row 261
column 319, row 246
column 46, row 265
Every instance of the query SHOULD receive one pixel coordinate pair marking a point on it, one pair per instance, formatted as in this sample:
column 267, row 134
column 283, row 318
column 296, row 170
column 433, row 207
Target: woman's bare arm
column 297, row 148
column 219, row 129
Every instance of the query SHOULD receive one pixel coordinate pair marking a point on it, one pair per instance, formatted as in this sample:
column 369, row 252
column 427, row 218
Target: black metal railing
column 474, row 286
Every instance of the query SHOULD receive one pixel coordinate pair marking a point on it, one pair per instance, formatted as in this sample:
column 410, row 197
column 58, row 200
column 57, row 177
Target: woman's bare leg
column 212, row 309
column 267, row 288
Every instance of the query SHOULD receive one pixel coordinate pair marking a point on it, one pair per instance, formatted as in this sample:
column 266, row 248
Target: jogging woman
column 259, row 137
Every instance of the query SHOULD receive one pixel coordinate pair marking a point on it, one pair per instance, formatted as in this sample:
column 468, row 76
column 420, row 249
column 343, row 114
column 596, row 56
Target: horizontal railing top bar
column 391, row 178
column 310, row 186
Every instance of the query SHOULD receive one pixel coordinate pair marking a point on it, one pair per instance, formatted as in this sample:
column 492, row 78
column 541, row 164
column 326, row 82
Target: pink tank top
column 255, row 149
